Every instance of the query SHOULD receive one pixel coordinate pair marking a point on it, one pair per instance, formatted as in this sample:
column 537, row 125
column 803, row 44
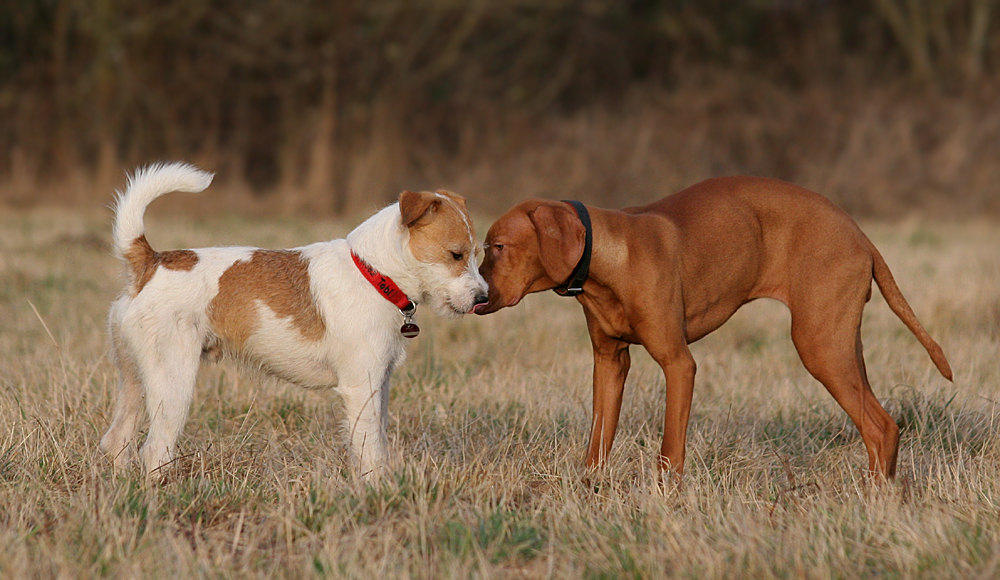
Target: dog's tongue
column 476, row 309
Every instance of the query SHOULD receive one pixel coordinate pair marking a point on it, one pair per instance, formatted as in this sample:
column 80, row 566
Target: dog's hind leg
column 119, row 441
column 169, row 370
column 826, row 330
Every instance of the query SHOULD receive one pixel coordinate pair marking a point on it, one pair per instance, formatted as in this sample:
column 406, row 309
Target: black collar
column 574, row 285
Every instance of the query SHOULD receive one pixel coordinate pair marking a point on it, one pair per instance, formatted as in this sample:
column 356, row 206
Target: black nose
column 482, row 299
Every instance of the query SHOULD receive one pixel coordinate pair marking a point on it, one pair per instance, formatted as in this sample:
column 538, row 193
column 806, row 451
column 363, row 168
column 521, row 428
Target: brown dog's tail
column 887, row 285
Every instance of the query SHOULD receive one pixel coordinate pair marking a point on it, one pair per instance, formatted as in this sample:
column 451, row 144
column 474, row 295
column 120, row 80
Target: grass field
column 489, row 418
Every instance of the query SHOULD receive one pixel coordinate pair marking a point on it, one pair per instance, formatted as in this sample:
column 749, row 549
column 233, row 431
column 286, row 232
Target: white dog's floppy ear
column 413, row 205
column 454, row 197
column 561, row 239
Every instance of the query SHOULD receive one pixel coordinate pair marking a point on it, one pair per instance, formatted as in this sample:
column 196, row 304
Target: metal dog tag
column 409, row 329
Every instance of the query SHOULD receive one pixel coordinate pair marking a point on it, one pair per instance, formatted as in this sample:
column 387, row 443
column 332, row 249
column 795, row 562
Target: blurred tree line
column 278, row 93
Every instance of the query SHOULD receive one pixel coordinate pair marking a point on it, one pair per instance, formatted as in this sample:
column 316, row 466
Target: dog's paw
column 123, row 456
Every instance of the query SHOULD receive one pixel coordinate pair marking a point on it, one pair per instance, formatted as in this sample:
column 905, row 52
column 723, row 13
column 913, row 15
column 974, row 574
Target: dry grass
column 489, row 419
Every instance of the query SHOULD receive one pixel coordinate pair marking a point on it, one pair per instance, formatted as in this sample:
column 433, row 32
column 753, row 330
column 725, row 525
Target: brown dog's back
column 757, row 236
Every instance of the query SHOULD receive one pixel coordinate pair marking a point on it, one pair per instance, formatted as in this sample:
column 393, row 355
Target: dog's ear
column 561, row 239
column 414, row 205
column 454, row 197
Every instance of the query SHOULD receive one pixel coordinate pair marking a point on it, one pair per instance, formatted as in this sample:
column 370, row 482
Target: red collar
column 384, row 284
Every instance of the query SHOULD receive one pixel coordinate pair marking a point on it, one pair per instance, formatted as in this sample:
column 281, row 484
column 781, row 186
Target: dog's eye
column 498, row 247
column 457, row 255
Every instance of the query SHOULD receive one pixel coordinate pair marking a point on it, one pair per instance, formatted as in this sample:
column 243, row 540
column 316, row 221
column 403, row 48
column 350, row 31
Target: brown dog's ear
column 561, row 238
column 413, row 205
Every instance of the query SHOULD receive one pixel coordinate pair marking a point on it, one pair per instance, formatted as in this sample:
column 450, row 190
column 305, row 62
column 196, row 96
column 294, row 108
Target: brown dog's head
column 532, row 247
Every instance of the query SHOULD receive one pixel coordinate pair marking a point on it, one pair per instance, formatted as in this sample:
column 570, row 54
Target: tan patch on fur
column 143, row 261
column 455, row 197
column 279, row 279
column 442, row 230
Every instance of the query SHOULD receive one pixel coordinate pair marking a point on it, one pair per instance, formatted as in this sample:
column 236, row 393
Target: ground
column 489, row 418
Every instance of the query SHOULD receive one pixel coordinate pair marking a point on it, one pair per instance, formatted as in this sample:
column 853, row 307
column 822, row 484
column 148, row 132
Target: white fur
column 424, row 283
column 145, row 185
column 159, row 335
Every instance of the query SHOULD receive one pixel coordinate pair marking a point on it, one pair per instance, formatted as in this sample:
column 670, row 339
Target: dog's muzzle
column 480, row 302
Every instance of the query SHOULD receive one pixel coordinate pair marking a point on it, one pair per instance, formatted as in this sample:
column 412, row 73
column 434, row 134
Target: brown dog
column 667, row 274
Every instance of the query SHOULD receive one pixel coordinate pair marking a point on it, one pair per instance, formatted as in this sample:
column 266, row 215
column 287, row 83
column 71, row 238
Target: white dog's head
column 442, row 242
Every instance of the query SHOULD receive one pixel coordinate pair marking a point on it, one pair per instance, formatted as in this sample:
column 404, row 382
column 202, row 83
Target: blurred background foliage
column 886, row 106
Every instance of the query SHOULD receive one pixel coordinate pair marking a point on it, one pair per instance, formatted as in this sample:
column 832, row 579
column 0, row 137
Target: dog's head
column 531, row 248
column 443, row 243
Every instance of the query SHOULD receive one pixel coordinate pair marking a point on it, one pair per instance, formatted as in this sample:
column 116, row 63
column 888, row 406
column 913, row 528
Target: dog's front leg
column 611, row 365
column 679, row 369
column 366, row 396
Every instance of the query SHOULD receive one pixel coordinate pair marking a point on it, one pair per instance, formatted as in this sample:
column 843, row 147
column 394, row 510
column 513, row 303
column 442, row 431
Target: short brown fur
column 143, row 261
column 279, row 279
column 666, row 274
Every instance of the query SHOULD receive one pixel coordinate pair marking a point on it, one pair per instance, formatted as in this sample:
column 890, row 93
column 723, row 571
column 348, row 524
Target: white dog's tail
column 144, row 185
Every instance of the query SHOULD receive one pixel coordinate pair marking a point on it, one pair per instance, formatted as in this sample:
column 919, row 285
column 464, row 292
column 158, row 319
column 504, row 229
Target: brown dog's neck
column 602, row 295
column 610, row 250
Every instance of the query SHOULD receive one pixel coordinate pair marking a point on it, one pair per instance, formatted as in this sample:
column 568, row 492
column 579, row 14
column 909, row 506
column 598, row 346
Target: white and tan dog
column 306, row 315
